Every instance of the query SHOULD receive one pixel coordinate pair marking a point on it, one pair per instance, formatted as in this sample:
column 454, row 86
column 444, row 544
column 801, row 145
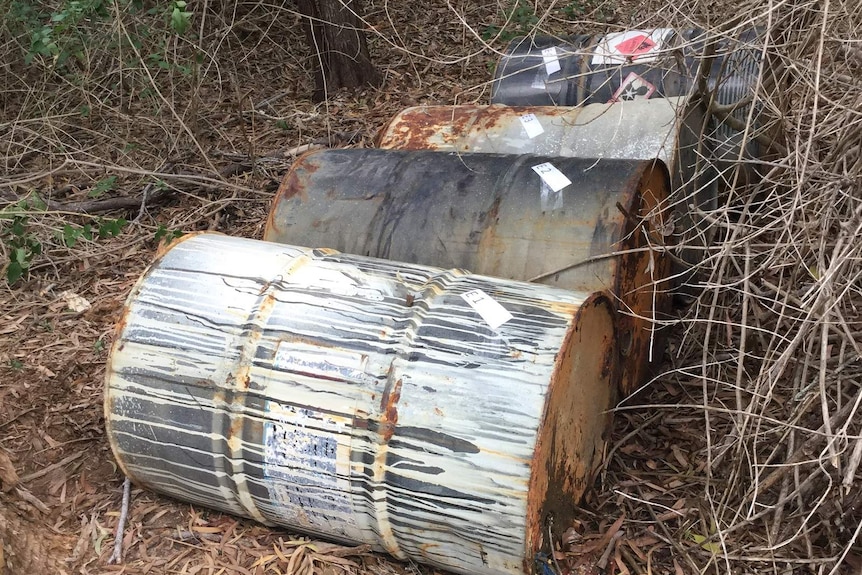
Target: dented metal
column 495, row 215
column 363, row 400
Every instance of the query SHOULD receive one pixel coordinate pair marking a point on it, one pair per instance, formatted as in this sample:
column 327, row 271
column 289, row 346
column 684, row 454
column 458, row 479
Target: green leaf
column 111, row 228
column 19, row 256
column 167, row 236
column 70, row 235
column 37, row 203
column 180, row 19
column 712, row 547
column 102, row 186
column 18, row 228
column 14, row 272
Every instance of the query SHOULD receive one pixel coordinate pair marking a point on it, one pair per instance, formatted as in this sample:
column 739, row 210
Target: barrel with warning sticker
column 638, row 65
column 443, row 417
column 583, row 224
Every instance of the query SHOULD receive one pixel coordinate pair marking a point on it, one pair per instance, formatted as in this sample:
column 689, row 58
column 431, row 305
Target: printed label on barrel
column 554, row 178
column 307, row 467
column 551, row 60
column 487, row 307
column 313, row 360
column 531, row 125
column 633, row 88
column 631, row 46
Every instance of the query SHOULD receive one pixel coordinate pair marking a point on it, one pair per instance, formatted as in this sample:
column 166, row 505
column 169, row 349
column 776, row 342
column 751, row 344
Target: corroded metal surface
column 363, row 400
column 587, row 73
column 667, row 129
column 666, row 63
column 492, row 214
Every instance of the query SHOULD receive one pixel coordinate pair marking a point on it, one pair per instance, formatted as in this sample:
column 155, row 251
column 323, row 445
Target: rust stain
column 234, row 438
column 642, row 276
column 119, row 328
column 425, row 547
column 291, row 186
column 572, row 426
column 491, row 248
column 438, row 411
column 389, row 409
column 293, row 338
column 418, row 128
column 242, row 378
column 430, row 127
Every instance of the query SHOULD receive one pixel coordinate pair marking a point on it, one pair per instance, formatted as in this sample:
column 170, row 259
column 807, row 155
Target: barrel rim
column 538, row 510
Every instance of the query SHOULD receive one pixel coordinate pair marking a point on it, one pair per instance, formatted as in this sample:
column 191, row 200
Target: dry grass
column 742, row 457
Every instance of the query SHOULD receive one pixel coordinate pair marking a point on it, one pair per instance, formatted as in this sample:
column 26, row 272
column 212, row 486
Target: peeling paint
column 247, row 382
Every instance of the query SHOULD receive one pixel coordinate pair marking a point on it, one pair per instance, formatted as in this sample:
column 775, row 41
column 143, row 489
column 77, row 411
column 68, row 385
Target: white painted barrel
column 440, row 416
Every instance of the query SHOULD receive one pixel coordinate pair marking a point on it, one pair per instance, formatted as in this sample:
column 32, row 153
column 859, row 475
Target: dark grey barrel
column 588, row 75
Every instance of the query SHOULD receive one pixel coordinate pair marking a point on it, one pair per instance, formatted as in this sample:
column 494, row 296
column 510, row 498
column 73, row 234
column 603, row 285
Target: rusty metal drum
column 635, row 65
column 501, row 215
column 443, row 417
column 586, row 69
column 668, row 129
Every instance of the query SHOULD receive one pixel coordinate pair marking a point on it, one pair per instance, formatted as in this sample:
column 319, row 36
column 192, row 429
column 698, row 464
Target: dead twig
column 46, row 470
column 117, row 554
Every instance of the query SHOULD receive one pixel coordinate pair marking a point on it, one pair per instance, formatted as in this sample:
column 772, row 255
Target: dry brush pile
column 124, row 123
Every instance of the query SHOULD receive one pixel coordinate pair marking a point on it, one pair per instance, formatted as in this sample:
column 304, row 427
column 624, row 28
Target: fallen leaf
column 75, row 302
column 45, row 371
column 701, row 540
column 8, row 475
column 13, row 326
column 678, row 455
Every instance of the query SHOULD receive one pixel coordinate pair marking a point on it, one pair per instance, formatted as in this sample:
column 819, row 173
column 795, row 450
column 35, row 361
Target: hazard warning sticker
column 631, row 46
column 633, row 87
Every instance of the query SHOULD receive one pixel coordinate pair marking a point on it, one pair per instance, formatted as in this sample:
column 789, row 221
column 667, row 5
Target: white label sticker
column 531, row 125
column 555, row 179
column 539, row 80
column 552, row 62
column 638, row 46
column 487, row 307
column 551, row 200
column 316, row 361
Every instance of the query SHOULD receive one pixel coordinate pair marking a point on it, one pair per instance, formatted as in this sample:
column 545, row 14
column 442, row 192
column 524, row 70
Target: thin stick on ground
column 117, row 554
